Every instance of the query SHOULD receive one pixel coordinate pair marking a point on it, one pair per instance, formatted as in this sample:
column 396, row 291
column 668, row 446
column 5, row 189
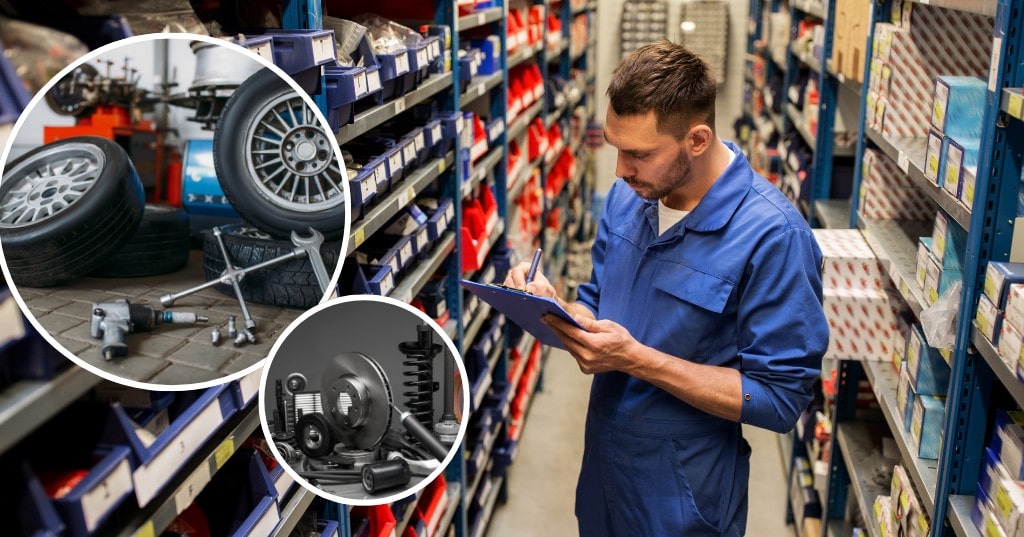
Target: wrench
column 231, row 276
column 311, row 245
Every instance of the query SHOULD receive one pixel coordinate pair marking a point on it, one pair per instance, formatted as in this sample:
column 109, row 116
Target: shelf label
column 1003, row 501
column 480, row 18
column 903, row 161
column 411, row 193
column 224, row 452
column 360, row 84
column 103, row 497
column 993, row 73
column 400, row 105
column 406, row 297
column 146, row 530
column 373, row 81
column 191, row 488
column 323, row 49
column 440, row 167
column 403, row 198
column 1014, row 106
column 359, row 236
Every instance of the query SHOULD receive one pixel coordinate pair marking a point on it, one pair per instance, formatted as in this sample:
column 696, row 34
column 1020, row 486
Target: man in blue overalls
column 703, row 312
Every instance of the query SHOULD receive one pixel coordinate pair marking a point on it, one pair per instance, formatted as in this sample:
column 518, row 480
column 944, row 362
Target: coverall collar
column 719, row 203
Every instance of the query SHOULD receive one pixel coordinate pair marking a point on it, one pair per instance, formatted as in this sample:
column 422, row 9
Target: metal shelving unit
column 366, row 120
column 292, row 511
column 192, row 476
column 1002, row 372
column 855, row 441
column 960, row 516
column 28, row 403
column 895, row 244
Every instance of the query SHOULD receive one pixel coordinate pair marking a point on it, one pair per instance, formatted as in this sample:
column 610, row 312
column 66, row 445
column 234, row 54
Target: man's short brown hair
column 664, row 77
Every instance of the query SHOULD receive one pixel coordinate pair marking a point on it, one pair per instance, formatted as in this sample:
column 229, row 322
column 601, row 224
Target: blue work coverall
column 736, row 283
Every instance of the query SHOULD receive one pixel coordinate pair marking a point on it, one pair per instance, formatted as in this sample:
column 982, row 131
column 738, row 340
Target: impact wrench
column 113, row 321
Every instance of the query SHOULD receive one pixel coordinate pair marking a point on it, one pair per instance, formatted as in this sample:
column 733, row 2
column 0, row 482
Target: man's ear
column 699, row 139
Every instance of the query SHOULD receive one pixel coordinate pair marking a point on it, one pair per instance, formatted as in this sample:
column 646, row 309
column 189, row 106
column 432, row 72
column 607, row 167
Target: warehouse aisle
column 542, row 482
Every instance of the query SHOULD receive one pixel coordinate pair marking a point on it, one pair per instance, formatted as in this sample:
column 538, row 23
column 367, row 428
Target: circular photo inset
column 362, row 399
column 168, row 205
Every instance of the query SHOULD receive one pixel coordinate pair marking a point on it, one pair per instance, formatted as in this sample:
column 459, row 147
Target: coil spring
column 419, row 383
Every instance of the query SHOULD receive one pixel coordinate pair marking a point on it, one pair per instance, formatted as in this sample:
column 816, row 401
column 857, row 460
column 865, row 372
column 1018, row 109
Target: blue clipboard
column 523, row 309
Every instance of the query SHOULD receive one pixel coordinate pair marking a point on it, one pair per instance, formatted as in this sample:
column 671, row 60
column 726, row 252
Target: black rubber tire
column 290, row 284
column 77, row 239
column 160, row 245
column 319, row 423
column 235, row 166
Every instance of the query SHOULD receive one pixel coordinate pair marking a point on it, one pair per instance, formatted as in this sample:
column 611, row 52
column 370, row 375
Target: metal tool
column 447, row 428
column 232, row 275
column 114, row 320
column 232, row 329
column 215, row 336
column 312, row 245
column 356, row 399
column 419, row 383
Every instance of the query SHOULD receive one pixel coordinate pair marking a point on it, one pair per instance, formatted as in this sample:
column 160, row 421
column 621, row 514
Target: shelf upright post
column 878, row 9
column 998, row 183
column 849, row 375
column 302, row 15
column 824, row 140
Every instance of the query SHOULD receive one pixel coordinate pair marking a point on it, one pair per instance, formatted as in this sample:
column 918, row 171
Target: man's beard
column 680, row 174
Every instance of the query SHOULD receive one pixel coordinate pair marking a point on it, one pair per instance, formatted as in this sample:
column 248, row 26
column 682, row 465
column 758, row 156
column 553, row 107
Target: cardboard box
column 935, row 157
column 926, row 427
column 961, row 155
column 1014, row 312
column 929, row 373
column 938, row 280
column 848, row 261
column 958, row 107
column 949, row 242
column 905, row 398
column 968, row 186
column 924, row 253
column 988, row 319
column 1008, row 442
column 1009, row 345
column 861, row 323
column 999, row 275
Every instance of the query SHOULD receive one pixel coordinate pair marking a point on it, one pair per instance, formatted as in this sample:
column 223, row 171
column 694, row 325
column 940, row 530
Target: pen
column 533, row 266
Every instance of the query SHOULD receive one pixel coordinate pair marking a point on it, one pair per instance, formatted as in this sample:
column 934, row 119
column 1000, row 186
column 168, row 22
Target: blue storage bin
column 432, row 134
column 469, row 64
column 434, row 297
column 451, row 128
column 241, row 499
column 395, row 161
column 300, row 53
column 261, row 45
column 438, row 221
column 327, row 528
column 195, row 415
column 245, row 389
column 13, row 96
column 363, row 191
column 490, row 54
column 376, row 279
column 344, row 86
column 420, row 149
column 418, row 65
column 85, row 478
column 420, row 240
column 26, row 509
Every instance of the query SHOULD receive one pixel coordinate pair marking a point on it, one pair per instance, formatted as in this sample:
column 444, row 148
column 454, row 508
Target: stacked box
column 924, row 255
column 937, row 41
column 999, row 276
column 949, row 243
column 888, row 193
column 937, row 279
column 928, row 371
column 860, row 310
column 926, row 427
column 905, row 398
column 1014, row 311
column 848, row 261
column 1009, row 345
column 958, row 107
column 961, row 156
column 935, row 157
column 988, row 319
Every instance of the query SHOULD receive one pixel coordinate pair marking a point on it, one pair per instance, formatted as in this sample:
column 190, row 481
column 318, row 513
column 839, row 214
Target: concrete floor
column 552, row 447
column 170, row 354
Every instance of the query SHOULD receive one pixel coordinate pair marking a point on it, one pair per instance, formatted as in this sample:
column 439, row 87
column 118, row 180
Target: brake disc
column 357, row 400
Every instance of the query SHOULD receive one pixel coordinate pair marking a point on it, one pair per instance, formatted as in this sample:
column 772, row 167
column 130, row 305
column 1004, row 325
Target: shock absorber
column 419, row 375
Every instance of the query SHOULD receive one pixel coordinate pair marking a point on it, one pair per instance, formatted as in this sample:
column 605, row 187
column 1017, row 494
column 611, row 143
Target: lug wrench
column 311, row 245
column 231, row 276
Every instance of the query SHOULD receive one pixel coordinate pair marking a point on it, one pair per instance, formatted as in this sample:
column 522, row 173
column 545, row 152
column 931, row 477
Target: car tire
column 290, row 284
column 65, row 208
column 275, row 162
column 160, row 245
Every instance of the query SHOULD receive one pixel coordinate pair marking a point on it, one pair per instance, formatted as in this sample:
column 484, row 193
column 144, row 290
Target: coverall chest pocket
column 693, row 304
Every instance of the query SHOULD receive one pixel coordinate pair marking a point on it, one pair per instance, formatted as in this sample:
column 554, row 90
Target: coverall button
column 746, row 397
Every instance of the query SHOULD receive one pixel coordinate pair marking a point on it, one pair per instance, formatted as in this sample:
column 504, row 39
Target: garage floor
column 170, row 354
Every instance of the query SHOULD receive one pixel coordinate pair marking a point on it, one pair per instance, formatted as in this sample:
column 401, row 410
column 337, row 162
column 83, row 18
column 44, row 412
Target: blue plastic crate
column 451, row 128
column 419, row 146
column 363, row 191
column 376, row 279
column 393, row 68
column 432, row 134
column 300, row 53
column 344, row 86
column 27, row 507
column 261, row 45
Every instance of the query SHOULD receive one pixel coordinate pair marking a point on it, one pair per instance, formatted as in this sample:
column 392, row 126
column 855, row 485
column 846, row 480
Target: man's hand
column 540, row 286
column 604, row 345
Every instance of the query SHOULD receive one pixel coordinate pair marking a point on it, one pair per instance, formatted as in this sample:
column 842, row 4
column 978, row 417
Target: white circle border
column 112, row 47
column 459, row 363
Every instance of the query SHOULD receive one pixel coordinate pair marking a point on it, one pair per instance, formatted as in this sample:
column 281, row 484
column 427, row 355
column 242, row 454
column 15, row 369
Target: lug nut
column 215, row 336
column 232, row 331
